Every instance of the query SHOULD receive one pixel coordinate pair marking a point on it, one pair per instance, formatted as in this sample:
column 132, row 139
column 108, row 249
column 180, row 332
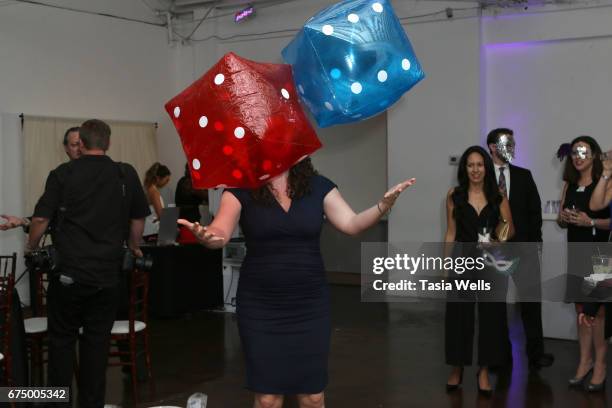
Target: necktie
column 502, row 181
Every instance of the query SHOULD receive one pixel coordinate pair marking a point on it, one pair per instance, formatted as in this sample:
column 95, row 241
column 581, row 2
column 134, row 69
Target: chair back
column 8, row 263
column 139, row 298
column 39, row 283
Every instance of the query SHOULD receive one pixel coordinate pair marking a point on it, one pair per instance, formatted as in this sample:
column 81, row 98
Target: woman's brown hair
column 298, row 184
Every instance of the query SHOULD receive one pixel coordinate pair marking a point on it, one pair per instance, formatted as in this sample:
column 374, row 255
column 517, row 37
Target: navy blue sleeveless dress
column 282, row 300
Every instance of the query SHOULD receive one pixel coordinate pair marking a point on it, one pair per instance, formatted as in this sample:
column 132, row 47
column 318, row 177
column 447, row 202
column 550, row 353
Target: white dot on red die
column 219, row 78
column 264, row 177
column 203, row 121
column 285, row 93
column 353, row 18
column 177, row 112
column 405, row 64
column 377, row 7
column 382, row 75
column 195, row 164
column 239, row 132
column 356, row 88
column 328, row 29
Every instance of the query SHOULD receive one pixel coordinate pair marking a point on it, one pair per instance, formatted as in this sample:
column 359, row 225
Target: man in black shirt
column 98, row 204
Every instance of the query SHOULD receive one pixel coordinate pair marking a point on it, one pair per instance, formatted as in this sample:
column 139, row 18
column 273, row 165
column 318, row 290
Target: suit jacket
column 525, row 206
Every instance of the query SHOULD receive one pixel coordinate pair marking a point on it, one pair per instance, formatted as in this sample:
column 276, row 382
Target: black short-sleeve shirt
column 90, row 201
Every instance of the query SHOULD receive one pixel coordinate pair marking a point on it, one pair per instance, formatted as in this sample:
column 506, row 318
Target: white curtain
column 131, row 142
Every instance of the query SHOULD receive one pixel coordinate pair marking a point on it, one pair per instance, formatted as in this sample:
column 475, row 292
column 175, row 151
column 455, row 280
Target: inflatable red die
column 241, row 124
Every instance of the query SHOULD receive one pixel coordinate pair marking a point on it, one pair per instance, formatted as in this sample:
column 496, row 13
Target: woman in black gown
column 283, row 297
column 582, row 173
column 476, row 204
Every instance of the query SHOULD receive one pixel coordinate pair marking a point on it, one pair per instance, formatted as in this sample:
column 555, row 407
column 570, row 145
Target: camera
column 131, row 262
column 43, row 258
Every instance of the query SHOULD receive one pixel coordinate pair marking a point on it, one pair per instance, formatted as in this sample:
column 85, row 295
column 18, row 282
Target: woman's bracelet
column 381, row 211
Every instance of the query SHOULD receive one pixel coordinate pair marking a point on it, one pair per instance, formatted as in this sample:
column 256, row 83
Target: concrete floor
column 383, row 355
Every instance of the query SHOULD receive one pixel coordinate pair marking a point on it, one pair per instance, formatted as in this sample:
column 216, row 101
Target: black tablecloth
column 184, row 279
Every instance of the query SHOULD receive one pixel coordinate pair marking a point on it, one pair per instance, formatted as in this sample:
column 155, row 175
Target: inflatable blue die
column 352, row 61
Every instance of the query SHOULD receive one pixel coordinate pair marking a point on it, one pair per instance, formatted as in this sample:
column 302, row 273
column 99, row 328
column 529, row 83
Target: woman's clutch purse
column 502, row 231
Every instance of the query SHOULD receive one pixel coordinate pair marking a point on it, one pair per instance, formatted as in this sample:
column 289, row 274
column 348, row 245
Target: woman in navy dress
column 283, row 297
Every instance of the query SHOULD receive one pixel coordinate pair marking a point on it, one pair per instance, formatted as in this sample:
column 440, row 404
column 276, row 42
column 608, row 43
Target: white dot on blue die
column 353, row 18
column 377, row 7
column 405, row 64
column 356, row 88
column 382, row 75
column 328, row 29
column 329, row 106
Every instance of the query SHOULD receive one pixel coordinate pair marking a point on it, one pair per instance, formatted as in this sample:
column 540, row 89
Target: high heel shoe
column 454, row 387
column 596, row 387
column 482, row 392
column 577, row 382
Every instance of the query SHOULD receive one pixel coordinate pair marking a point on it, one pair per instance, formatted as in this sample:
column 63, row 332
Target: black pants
column 492, row 333
column 70, row 307
column 531, row 314
column 493, row 339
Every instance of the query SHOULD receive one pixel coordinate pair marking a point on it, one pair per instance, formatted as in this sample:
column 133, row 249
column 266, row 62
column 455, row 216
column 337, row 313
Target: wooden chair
column 36, row 326
column 131, row 330
column 7, row 285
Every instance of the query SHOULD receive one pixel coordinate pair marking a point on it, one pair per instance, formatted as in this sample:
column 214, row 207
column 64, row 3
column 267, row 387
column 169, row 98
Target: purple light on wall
column 243, row 14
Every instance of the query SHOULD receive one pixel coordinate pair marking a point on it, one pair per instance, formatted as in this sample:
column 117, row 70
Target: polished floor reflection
column 383, row 355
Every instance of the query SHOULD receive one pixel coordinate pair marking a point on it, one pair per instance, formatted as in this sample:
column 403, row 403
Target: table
column 184, row 279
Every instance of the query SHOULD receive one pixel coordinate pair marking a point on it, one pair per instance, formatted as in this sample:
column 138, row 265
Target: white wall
column 436, row 119
column 60, row 63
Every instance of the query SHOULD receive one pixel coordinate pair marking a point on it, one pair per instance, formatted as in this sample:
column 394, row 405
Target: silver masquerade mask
column 505, row 148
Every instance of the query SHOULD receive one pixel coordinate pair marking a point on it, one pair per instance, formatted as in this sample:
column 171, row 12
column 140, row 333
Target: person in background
column 99, row 205
column 475, row 205
column 582, row 173
column 522, row 192
column 156, row 177
column 189, row 199
column 602, row 194
column 71, row 143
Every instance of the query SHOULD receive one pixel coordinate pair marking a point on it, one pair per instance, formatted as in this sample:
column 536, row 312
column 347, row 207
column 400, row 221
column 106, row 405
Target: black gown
column 579, row 262
column 283, row 297
column 459, row 322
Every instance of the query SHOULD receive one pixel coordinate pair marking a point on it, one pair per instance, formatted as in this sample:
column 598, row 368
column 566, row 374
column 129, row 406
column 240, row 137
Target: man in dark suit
column 517, row 183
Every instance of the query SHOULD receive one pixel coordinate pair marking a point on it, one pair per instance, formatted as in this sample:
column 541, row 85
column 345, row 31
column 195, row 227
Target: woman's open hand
column 202, row 233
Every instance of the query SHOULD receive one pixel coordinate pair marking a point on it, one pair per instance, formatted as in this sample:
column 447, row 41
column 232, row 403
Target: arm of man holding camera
column 48, row 205
column 136, row 230
column 38, row 226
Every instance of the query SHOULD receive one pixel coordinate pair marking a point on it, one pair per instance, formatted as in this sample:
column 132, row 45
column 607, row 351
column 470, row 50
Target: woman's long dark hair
column 491, row 190
column 157, row 170
column 298, row 184
column 570, row 174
